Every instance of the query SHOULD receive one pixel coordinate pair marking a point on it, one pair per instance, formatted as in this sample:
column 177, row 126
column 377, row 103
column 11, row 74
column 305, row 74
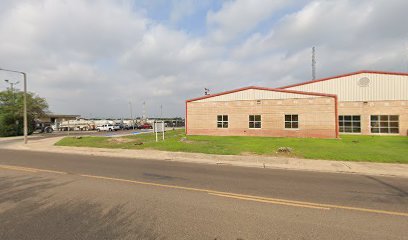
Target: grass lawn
column 388, row 149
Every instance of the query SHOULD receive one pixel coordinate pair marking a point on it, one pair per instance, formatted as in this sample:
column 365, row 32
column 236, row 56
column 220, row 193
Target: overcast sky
column 93, row 57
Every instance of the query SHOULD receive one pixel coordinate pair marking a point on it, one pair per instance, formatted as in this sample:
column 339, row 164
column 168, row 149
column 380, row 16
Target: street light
column 11, row 84
column 161, row 111
column 131, row 115
column 11, row 87
column 25, row 102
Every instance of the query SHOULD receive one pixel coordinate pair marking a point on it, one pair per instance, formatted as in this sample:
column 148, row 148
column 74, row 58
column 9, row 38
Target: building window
column 291, row 121
column 350, row 123
column 254, row 121
column 384, row 124
column 222, row 121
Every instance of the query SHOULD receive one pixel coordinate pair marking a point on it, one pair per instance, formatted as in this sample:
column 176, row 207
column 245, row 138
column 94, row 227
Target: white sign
column 158, row 126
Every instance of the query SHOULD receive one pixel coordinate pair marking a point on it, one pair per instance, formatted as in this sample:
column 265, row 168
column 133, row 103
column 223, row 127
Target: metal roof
column 265, row 89
column 344, row 75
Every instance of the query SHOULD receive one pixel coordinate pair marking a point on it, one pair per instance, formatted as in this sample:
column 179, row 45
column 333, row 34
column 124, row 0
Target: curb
column 327, row 166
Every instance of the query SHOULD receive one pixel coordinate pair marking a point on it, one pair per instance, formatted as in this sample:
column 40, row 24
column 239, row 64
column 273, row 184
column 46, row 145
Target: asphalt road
column 60, row 196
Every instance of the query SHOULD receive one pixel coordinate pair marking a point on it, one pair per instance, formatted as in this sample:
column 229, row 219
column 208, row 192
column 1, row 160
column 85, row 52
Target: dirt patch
column 248, row 154
column 253, row 154
column 122, row 140
column 286, row 154
column 185, row 140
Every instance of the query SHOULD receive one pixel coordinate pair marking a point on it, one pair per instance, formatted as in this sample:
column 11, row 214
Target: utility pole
column 131, row 115
column 12, row 87
column 161, row 111
column 25, row 102
column 11, row 84
column 313, row 63
column 144, row 110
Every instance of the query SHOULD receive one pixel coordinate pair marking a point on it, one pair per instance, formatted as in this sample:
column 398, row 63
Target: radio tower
column 313, row 63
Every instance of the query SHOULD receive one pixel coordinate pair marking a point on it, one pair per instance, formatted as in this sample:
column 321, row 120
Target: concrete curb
column 362, row 168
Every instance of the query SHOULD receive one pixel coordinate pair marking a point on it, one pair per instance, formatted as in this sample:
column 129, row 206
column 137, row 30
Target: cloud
column 240, row 16
column 93, row 57
column 348, row 35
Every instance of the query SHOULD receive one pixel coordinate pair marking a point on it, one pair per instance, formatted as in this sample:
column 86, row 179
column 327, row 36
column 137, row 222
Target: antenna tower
column 313, row 63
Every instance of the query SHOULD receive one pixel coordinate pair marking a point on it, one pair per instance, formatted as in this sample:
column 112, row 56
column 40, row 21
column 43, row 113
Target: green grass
column 388, row 149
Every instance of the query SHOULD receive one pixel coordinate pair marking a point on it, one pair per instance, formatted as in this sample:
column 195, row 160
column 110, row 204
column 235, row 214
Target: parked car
column 128, row 127
column 145, row 126
column 120, row 126
column 107, row 127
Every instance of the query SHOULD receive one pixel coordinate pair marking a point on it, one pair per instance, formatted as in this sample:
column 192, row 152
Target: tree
column 11, row 112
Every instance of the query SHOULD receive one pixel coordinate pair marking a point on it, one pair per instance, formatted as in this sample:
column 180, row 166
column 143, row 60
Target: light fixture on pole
column 131, row 115
column 11, row 84
column 25, row 102
column 12, row 87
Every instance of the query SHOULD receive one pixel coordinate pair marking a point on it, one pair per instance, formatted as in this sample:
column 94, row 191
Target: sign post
column 158, row 127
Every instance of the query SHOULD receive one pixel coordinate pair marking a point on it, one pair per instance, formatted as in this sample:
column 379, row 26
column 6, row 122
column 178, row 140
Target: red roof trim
column 344, row 75
column 263, row 88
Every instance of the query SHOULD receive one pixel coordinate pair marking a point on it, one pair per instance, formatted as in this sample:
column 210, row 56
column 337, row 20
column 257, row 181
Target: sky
column 93, row 57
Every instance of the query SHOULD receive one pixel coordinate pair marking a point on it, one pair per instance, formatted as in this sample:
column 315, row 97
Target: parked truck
column 76, row 125
column 107, row 127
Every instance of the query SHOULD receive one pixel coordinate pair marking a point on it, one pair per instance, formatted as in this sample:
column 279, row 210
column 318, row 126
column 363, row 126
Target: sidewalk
column 7, row 139
column 363, row 168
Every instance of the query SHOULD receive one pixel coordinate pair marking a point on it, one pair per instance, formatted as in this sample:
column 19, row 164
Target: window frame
column 380, row 123
column 224, row 122
column 291, row 121
column 256, row 124
column 352, row 124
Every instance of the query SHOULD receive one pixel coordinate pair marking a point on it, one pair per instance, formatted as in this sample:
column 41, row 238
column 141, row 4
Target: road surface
column 62, row 196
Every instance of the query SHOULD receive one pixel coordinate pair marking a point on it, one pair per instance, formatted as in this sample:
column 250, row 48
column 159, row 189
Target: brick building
column 370, row 102
column 256, row 111
column 364, row 102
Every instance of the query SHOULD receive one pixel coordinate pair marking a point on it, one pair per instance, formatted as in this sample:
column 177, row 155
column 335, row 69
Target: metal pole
column 313, row 63
column 155, row 129
column 161, row 112
column 144, row 110
column 163, row 129
column 25, row 109
column 12, row 91
column 131, row 115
